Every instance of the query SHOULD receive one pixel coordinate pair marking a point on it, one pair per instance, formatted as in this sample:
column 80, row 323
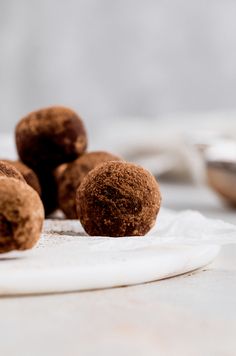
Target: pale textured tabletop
column 193, row 314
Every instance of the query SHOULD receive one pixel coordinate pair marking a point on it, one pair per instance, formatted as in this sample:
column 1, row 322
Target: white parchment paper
column 171, row 227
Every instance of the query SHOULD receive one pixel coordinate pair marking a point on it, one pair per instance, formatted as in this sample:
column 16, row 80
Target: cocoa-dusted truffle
column 50, row 137
column 21, row 215
column 69, row 177
column 118, row 199
column 6, row 170
column 28, row 174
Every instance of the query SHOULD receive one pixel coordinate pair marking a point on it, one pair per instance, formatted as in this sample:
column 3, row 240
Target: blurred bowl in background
column 221, row 170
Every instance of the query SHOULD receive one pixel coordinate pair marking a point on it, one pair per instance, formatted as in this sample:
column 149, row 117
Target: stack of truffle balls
column 109, row 196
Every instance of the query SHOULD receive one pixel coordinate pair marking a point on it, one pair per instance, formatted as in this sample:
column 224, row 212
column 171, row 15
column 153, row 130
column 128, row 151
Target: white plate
column 63, row 262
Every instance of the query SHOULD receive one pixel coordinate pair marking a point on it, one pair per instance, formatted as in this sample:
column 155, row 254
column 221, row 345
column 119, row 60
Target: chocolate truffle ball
column 21, row 215
column 28, row 174
column 71, row 176
column 50, row 137
column 118, row 199
column 7, row 170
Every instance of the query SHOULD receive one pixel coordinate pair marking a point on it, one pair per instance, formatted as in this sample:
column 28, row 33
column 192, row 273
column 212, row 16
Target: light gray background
column 108, row 59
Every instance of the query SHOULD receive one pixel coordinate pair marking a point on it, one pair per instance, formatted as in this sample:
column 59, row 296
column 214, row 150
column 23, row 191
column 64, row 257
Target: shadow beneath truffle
column 4, row 259
column 65, row 233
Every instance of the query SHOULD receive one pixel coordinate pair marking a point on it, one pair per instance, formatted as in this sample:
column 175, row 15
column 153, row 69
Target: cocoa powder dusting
column 70, row 177
column 118, row 199
column 21, row 215
column 49, row 137
column 7, row 170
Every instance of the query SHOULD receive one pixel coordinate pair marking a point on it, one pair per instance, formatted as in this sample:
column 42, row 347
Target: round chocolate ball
column 21, row 215
column 118, row 199
column 28, row 174
column 69, row 177
column 50, row 137
column 7, row 170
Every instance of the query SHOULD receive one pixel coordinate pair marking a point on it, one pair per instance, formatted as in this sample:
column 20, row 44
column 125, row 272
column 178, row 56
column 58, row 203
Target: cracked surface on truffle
column 50, row 137
column 7, row 170
column 21, row 215
column 71, row 176
column 118, row 199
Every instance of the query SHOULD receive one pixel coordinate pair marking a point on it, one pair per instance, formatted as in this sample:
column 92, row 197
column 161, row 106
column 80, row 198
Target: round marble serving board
column 67, row 260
